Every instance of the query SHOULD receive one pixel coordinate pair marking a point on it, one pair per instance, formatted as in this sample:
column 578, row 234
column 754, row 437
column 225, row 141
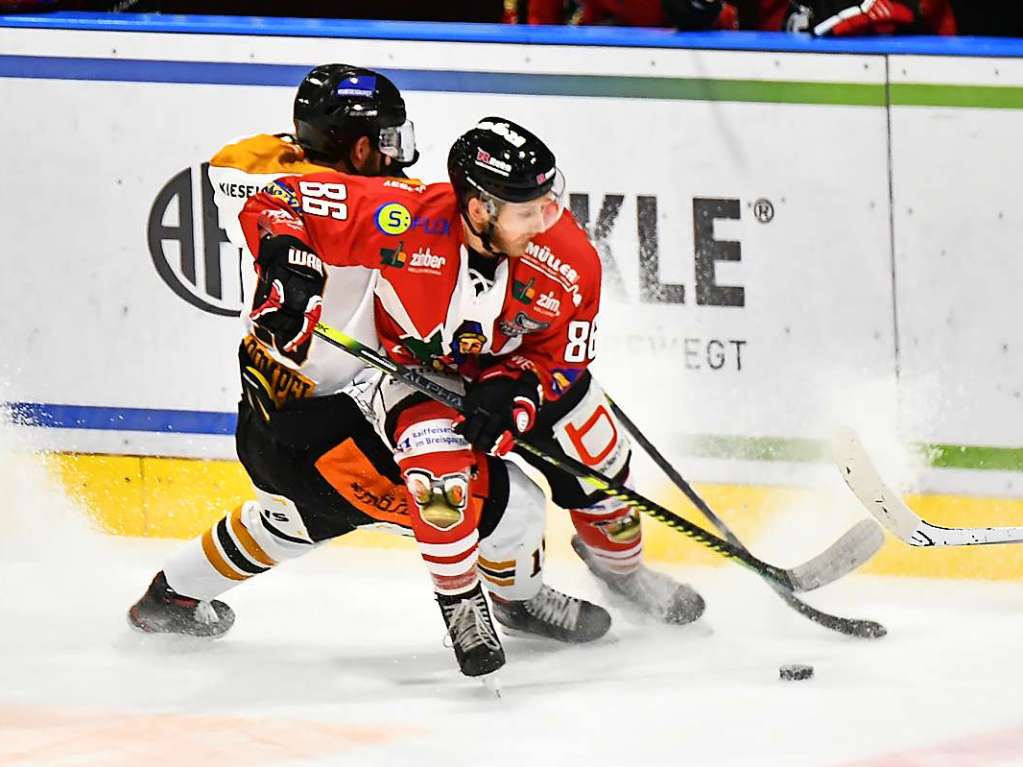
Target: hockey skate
column 553, row 614
column 163, row 611
column 654, row 593
column 477, row 647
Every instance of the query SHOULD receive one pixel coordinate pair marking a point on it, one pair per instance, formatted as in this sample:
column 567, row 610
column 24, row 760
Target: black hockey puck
column 795, row 672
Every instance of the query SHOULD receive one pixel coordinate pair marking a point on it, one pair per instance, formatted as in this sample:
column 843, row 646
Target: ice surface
column 337, row 659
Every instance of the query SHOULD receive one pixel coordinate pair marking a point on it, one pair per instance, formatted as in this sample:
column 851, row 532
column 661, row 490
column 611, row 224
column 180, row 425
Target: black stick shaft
column 852, row 626
column 432, row 389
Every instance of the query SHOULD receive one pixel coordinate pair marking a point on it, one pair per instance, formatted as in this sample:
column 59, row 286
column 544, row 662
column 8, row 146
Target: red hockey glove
column 289, row 296
column 728, row 18
column 498, row 409
column 871, row 17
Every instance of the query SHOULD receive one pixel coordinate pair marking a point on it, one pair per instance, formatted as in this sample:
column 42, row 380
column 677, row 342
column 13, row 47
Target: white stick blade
column 861, row 476
column 862, row 541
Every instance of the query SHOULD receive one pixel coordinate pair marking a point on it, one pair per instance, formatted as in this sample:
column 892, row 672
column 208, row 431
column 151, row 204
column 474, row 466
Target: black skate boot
column 163, row 611
column 655, row 593
column 553, row 614
column 477, row 648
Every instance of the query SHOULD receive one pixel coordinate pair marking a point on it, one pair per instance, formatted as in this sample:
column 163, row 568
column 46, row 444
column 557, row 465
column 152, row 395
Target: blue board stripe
column 230, row 73
column 121, row 418
column 514, row 34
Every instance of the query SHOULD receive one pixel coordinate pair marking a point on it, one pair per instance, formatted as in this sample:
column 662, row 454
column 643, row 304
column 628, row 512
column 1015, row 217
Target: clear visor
column 399, row 142
column 517, row 219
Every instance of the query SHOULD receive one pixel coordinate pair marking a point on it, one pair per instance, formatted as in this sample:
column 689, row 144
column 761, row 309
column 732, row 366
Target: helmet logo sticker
column 503, row 129
column 357, row 85
column 486, row 160
column 393, row 218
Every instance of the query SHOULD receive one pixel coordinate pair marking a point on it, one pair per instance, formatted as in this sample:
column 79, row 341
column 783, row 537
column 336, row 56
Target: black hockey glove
column 498, row 409
column 289, row 295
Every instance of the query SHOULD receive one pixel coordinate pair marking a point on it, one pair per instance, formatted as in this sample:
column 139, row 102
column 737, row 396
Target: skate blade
column 519, row 633
column 493, row 683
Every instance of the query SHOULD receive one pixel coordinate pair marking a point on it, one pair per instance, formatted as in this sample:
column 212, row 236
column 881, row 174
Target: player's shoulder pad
column 265, row 153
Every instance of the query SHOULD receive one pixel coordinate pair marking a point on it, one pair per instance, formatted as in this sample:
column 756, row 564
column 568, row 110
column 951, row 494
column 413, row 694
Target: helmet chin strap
column 486, row 235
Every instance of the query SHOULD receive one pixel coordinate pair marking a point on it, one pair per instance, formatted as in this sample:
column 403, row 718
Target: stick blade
column 861, row 476
column 859, row 543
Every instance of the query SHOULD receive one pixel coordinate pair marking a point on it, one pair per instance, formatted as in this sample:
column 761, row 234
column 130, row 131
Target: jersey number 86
column 582, row 341
column 322, row 199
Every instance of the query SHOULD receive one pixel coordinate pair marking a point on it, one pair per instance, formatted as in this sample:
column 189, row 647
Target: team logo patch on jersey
column 523, row 291
column 551, row 265
column 429, row 225
column 426, row 262
column 395, row 257
column 283, row 192
column 424, row 351
column 563, row 379
column 468, row 341
column 393, row 218
column 406, row 184
column 521, row 325
column 549, row 304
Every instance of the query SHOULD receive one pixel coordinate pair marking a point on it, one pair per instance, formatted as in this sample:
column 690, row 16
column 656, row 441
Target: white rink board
column 817, row 319
column 958, row 228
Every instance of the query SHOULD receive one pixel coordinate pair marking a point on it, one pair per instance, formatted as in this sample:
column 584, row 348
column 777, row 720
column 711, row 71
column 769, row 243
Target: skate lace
column 204, row 613
column 469, row 626
column 551, row 606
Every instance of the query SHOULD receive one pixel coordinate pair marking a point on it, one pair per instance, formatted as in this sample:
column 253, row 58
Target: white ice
column 337, row 659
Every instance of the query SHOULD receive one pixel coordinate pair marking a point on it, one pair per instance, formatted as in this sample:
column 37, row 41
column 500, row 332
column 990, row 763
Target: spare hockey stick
column 864, row 629
column 885, row 505
column 846, row 554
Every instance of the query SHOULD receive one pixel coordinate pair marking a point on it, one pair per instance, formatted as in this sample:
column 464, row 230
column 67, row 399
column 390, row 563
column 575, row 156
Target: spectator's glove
column 840, row 19
column 498, row 409
column 289, row 295
column 700, row 14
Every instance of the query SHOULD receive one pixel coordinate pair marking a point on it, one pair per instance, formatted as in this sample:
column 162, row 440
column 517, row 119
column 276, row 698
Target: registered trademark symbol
column 763, row 210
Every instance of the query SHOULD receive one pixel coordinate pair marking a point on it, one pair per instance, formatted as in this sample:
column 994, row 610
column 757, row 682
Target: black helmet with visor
column 336, row 104
column 504, row 165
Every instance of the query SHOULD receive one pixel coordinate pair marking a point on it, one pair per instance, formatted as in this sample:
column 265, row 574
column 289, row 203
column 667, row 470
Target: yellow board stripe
column 182, row 498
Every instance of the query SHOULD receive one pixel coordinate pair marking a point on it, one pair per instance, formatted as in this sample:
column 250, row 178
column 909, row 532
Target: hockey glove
column 289, row 295
column 840, row 19
column 498, row 409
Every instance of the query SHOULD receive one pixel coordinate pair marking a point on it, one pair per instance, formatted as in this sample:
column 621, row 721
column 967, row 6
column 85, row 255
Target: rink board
column 791, row 240
column 182, row 498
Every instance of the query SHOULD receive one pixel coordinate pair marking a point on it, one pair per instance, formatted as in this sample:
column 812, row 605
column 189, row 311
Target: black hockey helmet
column 503, row 164
column 503, row 160
column 336, row 104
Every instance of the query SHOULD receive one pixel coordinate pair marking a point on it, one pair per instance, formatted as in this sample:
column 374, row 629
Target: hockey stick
column 884, row 504
column 846, row 554
column 864, row 629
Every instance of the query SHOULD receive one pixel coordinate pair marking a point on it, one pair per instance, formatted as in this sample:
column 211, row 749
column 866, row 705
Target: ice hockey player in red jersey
column 318, row 467
column 488, row 281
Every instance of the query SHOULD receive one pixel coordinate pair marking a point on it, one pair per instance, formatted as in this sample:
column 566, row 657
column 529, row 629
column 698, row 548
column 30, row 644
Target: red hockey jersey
column 432, row 310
